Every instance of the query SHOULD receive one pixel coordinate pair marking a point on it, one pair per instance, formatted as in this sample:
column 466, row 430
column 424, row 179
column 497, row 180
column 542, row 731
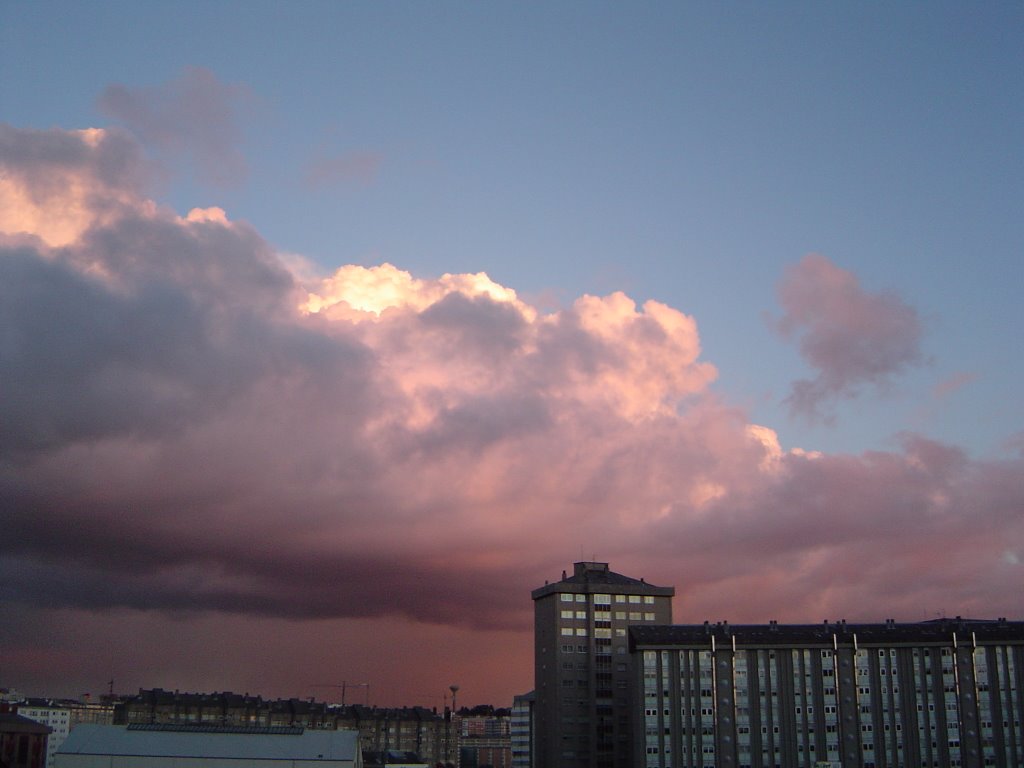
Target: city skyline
column 328, row 333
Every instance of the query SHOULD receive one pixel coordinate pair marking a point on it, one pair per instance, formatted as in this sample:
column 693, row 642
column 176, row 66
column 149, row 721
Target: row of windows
column 620, row 615
column 569, row 597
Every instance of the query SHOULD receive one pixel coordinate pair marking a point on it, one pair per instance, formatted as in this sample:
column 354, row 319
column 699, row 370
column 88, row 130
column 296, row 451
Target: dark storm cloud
column 170, row 344
column 189, row 425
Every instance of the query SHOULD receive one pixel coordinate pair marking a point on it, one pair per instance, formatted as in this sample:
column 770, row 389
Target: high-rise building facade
column 522, row 730
column 936, row 694
column 582, row 672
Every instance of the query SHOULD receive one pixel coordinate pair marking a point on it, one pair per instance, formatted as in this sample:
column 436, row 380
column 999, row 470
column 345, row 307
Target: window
column 566, row 597
column 581, row 632
column 581, row 614
column 566, row 630
column 581, row 598
column 602, row 599
column 648, row 617
column 620, row 598
column 566, row 614
column 634, row 598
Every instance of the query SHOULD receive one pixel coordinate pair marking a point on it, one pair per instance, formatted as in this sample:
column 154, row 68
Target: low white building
column 174, row 746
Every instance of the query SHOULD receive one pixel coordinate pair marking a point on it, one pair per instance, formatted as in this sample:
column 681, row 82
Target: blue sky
column 694, row 154
column 683, row 152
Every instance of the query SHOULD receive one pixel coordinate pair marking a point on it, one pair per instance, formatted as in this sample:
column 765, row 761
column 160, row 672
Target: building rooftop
column 12, row 723
column 591, row 576
column 937, row 632
column 228, row 743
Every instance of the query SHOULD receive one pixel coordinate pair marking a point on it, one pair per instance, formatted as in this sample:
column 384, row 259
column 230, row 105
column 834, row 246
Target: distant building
column 172, row 746
column 581, row 665
column 403, row 729
column 485, row 738
column 99, row 713
column 159, row 706
column 22, row 741
column 521, row 731
column 422, row 731
column 392, row 758
column 8, row 695
column 945, row 693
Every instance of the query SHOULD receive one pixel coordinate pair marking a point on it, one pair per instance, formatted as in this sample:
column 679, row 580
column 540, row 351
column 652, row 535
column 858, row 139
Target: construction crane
column 344, row 685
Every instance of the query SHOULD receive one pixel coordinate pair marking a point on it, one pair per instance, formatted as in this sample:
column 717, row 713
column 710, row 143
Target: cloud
column 196, row 425
column 193, row 116
column 952, row 384
column 57, row 183
column 852, row 338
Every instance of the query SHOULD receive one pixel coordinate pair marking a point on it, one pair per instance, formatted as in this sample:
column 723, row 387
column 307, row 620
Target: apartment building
column 582, row 666
column 936, row 694
column 521, row 730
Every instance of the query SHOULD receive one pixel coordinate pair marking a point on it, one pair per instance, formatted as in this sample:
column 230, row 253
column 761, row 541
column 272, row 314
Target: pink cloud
column 193, row 116
column 203, row 441
column 852, row 338
column 952, row 384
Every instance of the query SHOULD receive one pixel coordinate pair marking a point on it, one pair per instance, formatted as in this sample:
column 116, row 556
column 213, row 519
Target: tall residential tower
column 582, row 664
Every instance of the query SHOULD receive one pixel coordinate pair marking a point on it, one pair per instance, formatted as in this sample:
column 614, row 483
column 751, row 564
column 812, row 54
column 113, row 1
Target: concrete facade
column 936, row 694
column 582, row 675
column 521, row 730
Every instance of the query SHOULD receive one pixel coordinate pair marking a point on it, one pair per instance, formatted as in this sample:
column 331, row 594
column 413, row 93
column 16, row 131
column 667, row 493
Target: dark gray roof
column 272, row 730
column 14, row 723
column 119, row 740
column 939, row 632
column 589, row 577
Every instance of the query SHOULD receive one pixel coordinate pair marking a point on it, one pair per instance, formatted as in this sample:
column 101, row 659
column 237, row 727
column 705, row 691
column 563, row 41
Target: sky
column 330, row 330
